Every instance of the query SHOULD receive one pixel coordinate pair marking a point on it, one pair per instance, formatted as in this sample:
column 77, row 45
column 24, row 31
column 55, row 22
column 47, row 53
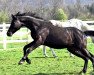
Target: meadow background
column 40, row 65
column 47, row 9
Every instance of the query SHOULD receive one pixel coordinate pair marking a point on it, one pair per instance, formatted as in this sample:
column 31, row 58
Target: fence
column 18, row 37
column 89, row 22
column 4, row 39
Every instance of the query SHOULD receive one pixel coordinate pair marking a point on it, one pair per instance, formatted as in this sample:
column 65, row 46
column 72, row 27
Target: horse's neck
column 30, row 22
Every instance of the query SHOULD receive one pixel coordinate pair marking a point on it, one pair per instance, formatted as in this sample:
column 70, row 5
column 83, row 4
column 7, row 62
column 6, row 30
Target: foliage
column 49, row 9
column 72, row 12
column 3, row 17
column 60, row 15
column 91, row 8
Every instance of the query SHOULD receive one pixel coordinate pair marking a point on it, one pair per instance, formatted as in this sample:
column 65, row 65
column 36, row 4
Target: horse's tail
column 89, row 33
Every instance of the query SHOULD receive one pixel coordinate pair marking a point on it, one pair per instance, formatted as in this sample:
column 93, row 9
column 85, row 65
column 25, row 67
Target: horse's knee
column 28, row 51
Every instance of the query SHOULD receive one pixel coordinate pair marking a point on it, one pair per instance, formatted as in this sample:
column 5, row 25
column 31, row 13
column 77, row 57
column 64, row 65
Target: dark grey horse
column 45, row 33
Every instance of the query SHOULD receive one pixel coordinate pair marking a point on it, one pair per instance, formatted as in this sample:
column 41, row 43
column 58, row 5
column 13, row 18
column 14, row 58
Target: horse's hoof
column 20, row 63
column 28, row 61
column 71, row 55
column 46, row 55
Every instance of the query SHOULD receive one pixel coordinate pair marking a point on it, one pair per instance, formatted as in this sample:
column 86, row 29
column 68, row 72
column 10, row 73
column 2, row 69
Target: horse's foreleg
column 24, row 52
column 31, row 48
column 44, row 51
column 33, row 45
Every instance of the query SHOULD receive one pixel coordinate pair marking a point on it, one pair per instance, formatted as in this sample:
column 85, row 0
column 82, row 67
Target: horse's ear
column 13, row 16
column 18, row 13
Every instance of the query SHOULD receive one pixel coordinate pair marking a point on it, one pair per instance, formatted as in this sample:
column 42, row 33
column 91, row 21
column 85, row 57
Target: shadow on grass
column 43, row 57
column 92, row 73
column 68, row 73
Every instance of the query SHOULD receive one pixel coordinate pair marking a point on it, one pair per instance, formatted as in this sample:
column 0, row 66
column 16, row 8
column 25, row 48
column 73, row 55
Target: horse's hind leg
column 78, row 53
column 92, row 60
column 53, row 52
column 89, row 55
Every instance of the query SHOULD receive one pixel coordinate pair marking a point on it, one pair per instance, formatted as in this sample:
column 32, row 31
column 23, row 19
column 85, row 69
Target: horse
column 45, row 33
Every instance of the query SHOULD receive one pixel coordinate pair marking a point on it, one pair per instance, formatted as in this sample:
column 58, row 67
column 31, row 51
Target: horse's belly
column 57, row 46
column 57, row 43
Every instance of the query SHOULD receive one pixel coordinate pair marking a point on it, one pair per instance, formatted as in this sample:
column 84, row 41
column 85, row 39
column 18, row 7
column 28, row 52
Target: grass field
column 63, row 65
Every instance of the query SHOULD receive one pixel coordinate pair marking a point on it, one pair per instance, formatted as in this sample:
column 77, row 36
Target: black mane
column 32, row 14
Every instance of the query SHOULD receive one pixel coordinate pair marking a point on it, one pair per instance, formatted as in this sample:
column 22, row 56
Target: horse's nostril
column 9, row 34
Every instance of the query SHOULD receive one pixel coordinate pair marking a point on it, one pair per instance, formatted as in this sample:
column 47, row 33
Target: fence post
column 4, row 36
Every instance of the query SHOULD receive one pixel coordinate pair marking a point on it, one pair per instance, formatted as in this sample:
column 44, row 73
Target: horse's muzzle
column 9, row 33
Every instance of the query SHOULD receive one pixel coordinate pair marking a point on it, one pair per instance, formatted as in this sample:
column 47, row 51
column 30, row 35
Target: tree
column 3, row 17
column 60, row 15
column 91, row 8
column 56, row 4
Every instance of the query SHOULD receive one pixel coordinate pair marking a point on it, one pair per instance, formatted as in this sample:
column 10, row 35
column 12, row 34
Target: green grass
column 63, row 65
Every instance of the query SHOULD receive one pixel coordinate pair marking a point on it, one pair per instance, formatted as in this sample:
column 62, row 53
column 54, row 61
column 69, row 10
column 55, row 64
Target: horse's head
column 16, row 24
column 28, row 20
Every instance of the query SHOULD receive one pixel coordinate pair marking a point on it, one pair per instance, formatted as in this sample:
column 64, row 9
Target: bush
column 60, row 15
column 3, row 17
